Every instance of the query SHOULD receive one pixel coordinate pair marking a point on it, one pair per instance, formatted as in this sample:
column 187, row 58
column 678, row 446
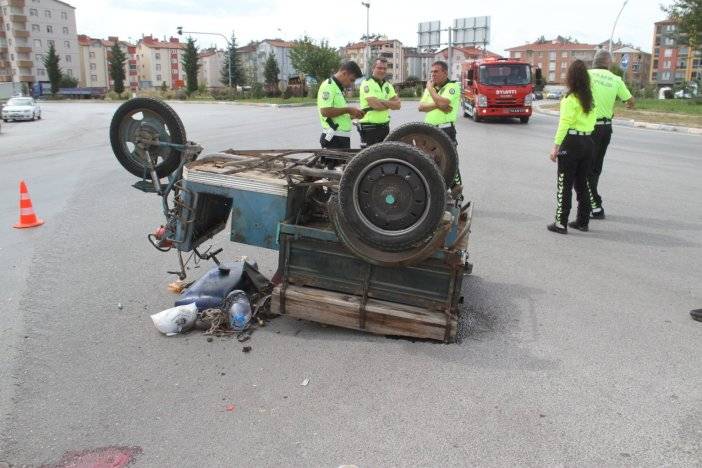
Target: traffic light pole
column 229, row 47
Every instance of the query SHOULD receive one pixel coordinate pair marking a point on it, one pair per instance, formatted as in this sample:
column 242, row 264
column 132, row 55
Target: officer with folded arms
column 606, row 89
column 377, row 98
column 441, row 100
column 334, row 113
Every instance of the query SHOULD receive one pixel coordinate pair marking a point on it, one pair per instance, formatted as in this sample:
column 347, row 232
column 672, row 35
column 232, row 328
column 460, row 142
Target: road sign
column 471, row 32
column 429, row 35
column 624, row 62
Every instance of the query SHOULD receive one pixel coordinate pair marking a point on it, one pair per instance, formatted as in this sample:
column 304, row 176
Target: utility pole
column 367, row 54
column 615, row 25
column 229, row 46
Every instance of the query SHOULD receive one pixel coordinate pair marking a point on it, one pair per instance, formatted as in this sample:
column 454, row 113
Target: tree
column 236, row 70
column 164, row 87
column 51, row 63
column 541, row 40
column 309, row 58
column 271, row 71
column 68, row 82
column 688, row 14
column 116, row 66
column 191, row 65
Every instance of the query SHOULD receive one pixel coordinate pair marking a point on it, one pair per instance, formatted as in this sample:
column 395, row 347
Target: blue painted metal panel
column 255, row 217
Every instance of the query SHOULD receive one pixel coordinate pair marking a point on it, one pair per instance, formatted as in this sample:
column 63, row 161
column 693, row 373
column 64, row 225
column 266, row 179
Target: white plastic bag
column 175, row 320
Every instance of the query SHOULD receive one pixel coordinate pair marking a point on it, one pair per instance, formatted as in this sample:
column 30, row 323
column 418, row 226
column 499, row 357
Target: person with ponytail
column 572, row 150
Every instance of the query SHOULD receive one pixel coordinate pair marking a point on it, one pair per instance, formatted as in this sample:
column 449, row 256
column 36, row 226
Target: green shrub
column 111, row 94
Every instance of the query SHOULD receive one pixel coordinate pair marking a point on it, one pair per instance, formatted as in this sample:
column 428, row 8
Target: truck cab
column 497, row 88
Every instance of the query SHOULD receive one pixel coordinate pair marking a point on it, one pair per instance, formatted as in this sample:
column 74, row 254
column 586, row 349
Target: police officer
column 606, row 88
column 377, row 98
column 441, row 100
column 334, row 114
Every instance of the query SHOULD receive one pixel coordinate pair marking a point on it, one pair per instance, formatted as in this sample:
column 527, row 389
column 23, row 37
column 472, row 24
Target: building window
column 564, row 65
column 157, row 56
column 665, row 76
column 68, row 59
column 51, row 43
column 91, row 54
column 35, row 27
column 47, row 13
column 40, row 72
column 564, row 54
column 67, row 44
column 65, row 30
column 158, row 67
column 64, row 15
column 552, row 66
column 33, row 12
column 37, row 43
column 552, row 55
column 38, row 57
column 551, row 76
column 49, row 29
column 654, row 76
column 69, row 72
column 93, row 77
column 668, row 53
column 517, row 55
column 666, row 65
column 158, row 77
column 93, row 66
column 683, row 51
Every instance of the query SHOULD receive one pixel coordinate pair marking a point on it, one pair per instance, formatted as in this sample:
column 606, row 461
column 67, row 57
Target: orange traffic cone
column 27, row 216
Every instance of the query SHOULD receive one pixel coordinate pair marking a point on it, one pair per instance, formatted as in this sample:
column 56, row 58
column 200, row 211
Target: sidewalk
column 630, row 122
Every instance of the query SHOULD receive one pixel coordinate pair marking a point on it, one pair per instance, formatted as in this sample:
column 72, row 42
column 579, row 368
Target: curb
column 252, row 104
column 637, row 124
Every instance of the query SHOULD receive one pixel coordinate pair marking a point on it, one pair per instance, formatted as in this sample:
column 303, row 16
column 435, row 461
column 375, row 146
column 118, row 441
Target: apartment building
column 460, row 55
column 389, row 49
column 674, row 62
column 638, row 69
column 211, row 64
column 160, row 62
column 95, row 55
column 253, row 58
column 554, row 57
column 417, row 64
column 27, row 29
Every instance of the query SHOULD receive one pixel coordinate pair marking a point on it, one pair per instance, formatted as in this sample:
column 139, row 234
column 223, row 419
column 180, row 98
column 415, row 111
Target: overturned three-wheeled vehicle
column 373, row 239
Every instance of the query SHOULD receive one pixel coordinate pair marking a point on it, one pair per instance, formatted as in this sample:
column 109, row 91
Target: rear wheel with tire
column 155, row 116
column 476, row 118
column 392, row 195
column 433, row 142
column 524, row 120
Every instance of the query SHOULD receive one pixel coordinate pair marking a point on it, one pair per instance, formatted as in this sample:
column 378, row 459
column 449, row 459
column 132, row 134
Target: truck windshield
column 497, row 74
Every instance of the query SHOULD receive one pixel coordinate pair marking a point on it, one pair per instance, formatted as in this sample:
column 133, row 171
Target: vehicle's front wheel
column 524, row 120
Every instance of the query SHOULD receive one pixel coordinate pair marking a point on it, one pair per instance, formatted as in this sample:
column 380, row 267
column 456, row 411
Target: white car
column 21, row 108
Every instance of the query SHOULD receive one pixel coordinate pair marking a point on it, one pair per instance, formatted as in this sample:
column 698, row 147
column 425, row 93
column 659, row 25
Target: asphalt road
column 580, row 348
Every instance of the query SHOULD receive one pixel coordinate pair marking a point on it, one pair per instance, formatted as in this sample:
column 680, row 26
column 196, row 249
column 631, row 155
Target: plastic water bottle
column 239, row 310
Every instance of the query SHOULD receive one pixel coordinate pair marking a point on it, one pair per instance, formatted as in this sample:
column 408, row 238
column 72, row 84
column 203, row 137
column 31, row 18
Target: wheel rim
column 430, row 146
column 140, row 119
column 391, row 197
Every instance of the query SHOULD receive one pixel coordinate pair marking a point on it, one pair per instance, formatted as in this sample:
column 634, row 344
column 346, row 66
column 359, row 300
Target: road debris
column 119, row 306
column 176, row 319
column 305, row 382
column 231, row 408
column 246, row 349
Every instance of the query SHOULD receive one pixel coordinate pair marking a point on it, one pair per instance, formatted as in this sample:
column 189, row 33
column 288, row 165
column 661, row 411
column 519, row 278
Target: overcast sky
column 514, row 22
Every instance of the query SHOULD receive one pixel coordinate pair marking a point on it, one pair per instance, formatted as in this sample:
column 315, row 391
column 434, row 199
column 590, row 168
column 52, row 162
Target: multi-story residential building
column 417, row 64
column 553, row 57
column 389, row 49
column 674, row 62
column 27, row 29
column 460, row 55
column 254, row 55
column 159, row 62
column 211, row 63
column 638, row 69
column 95, row 55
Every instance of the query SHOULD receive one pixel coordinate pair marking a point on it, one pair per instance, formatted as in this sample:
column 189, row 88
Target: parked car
column 553, row 94
column 21, row 108
column 538, row 95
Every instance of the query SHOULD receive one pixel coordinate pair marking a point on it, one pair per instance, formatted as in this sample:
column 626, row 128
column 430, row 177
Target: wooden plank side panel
column 343, row 310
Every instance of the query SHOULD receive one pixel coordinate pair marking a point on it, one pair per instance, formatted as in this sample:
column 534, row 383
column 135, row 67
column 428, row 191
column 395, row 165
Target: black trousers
column 451, row 132
column 336, row 142
column 372, row 134
column 574, row 163
column 601, row 137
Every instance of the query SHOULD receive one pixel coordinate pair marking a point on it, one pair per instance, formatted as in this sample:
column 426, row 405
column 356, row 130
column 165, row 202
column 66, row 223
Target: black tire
column 408, row 196
column 524, row 120
column 475, row 115
column 463, row 108
column 171, row 127
column 433, row 142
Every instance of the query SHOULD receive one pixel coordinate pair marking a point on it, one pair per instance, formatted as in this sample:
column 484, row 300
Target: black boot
column 696, row 314
column 597, row 214
column 553, row 227
column 579, row 226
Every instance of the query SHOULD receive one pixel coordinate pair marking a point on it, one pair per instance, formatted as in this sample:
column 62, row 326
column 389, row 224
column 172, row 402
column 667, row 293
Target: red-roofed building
column 674, row 62
column 554, row 57
column 95, row 57
column 389, row 49
column 160, row 62
column 253, row 58
column 459, row 55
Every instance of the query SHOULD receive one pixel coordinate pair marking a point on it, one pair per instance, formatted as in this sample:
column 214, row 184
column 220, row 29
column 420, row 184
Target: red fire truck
column 497, row 87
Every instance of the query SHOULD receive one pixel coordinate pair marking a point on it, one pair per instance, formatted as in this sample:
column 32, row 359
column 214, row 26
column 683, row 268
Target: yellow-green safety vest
column 451, row 90
column 382, row 90
column 331, row 94
column 606, row 88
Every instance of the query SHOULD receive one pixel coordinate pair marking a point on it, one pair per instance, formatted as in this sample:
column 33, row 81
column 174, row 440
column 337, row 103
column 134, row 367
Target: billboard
column 429, row 35
column 471, row 31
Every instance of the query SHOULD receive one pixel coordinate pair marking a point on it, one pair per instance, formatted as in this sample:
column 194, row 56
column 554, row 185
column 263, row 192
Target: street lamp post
column 229, row 46
column 367, row 5
column 615, row 24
